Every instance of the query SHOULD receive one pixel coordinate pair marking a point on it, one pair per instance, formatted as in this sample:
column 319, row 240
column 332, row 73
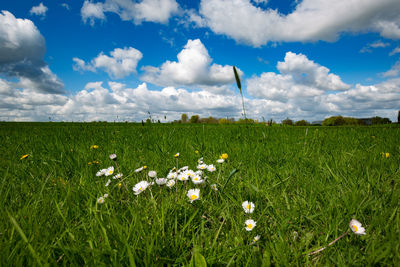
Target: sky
column 124, row 60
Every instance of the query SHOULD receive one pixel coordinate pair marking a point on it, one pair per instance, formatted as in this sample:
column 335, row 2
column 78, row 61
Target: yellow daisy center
column 196, row 179
column 249, row 226
column 193, row 197
column 248, row 206
column 355, row 228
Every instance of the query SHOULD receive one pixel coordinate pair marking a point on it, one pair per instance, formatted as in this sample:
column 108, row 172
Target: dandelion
column 356, row 227
column 223, row 156
column 248, row 206
column 94, row 147
column 152, row 174
column 161, row 181
column 176, row 155
column 250, row 224
column 214, row 187
column 101, row 172
column 211, row 168
column 119, row 185
column 109, row 171
column 385, row 154
column 202, row 166
column 193, row 194
column 96, row 162
column 170, row 183
column 220, row 161
column 113, row 157
column 140, row 187
column 117, row 176
column 100, row 200
column 24, row 156
column 108, row 182
column 89, row 163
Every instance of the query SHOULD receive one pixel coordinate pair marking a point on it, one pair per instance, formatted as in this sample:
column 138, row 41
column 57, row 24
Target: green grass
column 306, row 188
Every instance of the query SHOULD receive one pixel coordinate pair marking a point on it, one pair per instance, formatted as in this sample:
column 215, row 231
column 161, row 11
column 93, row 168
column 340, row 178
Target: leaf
column 229, row 177
column 237, row 78
column 198, row 259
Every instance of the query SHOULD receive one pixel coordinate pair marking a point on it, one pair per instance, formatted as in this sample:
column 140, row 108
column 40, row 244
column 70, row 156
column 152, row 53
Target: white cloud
column 22, row 48
column 158, row 11
column 39, row 10
column 377, row 44
column 192, row 68
column 395, row 51
column 121, row 63
column 66, row 6
column 312, row 20
column 394, row 70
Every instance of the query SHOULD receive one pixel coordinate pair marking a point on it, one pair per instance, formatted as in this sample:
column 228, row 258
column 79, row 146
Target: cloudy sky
column 65, row 60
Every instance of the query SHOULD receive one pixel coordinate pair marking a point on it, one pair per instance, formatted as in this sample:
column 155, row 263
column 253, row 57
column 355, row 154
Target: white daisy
column 109, row 171
column 161, row 181
column 183, row 177
column 256, row 238
column 200, row 161
column 105, row 196
column 189, row 173
column 248, row 206
column 108, row 182
column 101, row 172
column 113, row 156
column 184, row 168
column 100, row 200
column 172, row 175
column 197, row 179
column 176, row 155
column 152, row 174
column 139, row 169
column 193, row 194
column 170, row 183
column 140, row 187
column 214, row 187
column 356, row 227
column 117, row 176
column 211, row 168
column 198, row 172
column 250, row 224
column 202, row 166
column 220, row 160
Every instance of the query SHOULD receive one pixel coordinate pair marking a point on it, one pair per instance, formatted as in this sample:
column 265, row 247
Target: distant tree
column 302, row 123
column 398, row 117
column 287, row 121
column 184, row 118
column 223, row 121
column 194, row 119
column 379, row 120
column 148, row 121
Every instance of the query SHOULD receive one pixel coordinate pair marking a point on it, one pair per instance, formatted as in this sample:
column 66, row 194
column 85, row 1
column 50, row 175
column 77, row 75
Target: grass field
column 306, row 184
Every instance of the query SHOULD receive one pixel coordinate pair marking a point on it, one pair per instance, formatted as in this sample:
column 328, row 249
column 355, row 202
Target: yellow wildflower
column 385, row 154
column 24, row 156
column 224, row 156
column 94, row 147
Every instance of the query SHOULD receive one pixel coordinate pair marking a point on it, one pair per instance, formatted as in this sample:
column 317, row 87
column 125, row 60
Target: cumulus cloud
column 192, row 68
column 311, row 20
column 158, row 11
column 39, row 10
column 394, row 70
column 22, row 48
column 121, row 63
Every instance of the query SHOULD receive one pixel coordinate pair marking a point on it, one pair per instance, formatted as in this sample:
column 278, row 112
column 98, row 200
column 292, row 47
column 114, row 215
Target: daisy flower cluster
column 248, row 208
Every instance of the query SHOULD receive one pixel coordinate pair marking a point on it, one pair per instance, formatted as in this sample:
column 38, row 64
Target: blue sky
column 120, row 59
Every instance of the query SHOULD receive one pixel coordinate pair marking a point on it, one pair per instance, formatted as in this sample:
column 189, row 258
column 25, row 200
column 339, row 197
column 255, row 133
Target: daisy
column 161, row 181
column 172, row 175
column 100, row 200
column 176, row 155
column 101, row 172
column 214, row 187
column 202, row 166
column 184, row 168
column 256, row 238
column 197, row 180
column 139, row 169
column 193, row 194
column 248, row 206
column 356, row 227
column 108, row 182
column 109, row 171
column 140, row 187
column 250, row 224
column 105, row 196
column 183, row 177
column 117, row 176
column 198, row 172
column 189, row 173
column 220, row 160
column 211, row 168
column 152, row 174
column 170, row 183
column 113, row 156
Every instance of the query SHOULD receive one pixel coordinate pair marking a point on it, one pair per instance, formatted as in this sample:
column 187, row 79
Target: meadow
column 306, row 183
